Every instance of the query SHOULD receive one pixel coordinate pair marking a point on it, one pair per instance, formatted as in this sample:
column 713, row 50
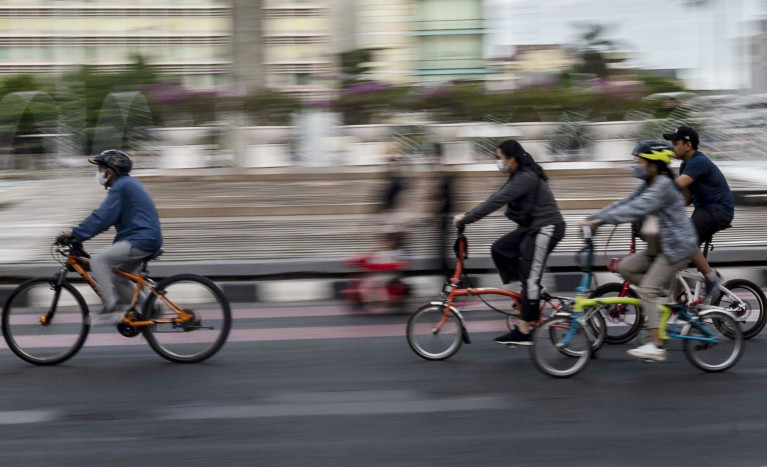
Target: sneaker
column 649, row 352
column 106, row 319
column 712, row 285
column 515, row 337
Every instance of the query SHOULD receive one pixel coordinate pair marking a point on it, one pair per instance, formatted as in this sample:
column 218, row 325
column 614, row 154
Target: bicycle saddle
column 154, row 255
column 149, row 258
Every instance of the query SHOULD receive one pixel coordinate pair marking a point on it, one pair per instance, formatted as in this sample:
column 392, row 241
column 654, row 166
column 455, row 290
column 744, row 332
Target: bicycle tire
column 600, row 331
column 423, row 324
column 759, row 299
column 34, row 327
column 619, row 335
column 695, row 349
column 224, row 321
column 548, row 340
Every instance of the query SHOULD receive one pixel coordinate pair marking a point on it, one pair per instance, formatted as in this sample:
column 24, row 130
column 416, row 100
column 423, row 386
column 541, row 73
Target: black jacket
column 524, row 194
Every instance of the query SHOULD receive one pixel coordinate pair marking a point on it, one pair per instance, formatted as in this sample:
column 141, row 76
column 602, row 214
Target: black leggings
column 521, row 255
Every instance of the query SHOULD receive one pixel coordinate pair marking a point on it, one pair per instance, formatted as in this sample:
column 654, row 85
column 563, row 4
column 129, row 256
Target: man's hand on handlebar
column 458, row 219
column 64, row 238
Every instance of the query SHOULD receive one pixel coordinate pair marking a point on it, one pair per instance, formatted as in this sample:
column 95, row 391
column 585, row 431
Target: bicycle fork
column 46, row 319
column 447, row 305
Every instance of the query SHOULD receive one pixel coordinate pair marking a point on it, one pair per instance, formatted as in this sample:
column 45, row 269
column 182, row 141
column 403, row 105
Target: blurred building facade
column 758, row 58
column 298, row 46
column 450, row 40
column 186, row 38
column 417, row 41
column 533, row 64
column 286, row 45
column 247, row 45
column 384, row 27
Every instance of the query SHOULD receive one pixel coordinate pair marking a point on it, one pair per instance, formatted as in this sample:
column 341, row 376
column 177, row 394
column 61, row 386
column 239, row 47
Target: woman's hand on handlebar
column 592, row 224
column 64, row 238
column 458, row 219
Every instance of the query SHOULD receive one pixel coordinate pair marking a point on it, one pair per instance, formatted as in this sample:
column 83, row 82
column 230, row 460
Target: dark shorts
column 707, row 223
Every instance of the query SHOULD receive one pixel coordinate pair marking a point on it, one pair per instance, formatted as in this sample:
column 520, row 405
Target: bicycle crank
column 126, row 329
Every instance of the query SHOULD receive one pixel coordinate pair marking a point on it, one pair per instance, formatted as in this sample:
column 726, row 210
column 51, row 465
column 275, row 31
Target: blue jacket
column 677, row 235
column 131, row 210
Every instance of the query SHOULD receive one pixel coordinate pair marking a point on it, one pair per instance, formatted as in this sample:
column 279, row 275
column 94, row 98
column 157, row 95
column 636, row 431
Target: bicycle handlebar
column 75, row 247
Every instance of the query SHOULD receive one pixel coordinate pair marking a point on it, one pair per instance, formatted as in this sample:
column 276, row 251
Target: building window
column 302, row 79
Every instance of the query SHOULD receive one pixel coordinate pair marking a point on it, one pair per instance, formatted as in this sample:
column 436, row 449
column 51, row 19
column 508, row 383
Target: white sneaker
column 649, row 352
column 106, row 319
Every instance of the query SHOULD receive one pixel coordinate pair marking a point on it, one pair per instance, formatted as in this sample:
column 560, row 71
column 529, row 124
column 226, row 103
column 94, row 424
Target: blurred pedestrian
column 442, row 196
column 391, row 207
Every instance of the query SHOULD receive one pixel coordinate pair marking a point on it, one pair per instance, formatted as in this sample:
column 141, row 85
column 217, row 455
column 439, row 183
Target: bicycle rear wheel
column 561, row 348
column 434, row 335
column 34, row 333
column 746, row 301
column 714, row 356
column 201, row 336
column 623, row 321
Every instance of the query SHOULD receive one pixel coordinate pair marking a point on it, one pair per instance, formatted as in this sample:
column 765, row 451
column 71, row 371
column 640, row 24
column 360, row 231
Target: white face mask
column 101, row 178
column 501, row 168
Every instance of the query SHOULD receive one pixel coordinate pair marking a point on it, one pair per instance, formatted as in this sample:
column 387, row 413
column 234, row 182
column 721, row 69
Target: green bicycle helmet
column 654, row 151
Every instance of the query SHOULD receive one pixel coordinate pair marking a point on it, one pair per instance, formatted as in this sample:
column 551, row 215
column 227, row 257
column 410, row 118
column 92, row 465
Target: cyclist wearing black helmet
column 129, row 208
column 669, row 233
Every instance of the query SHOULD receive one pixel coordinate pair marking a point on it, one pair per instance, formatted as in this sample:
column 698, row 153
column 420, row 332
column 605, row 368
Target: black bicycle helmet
column 116, row 160
column 654, row 151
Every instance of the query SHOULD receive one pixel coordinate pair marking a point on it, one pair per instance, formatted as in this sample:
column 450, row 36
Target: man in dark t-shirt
column 703, row 185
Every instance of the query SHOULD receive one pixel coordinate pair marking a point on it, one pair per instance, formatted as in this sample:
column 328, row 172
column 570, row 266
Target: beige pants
column 652, row 273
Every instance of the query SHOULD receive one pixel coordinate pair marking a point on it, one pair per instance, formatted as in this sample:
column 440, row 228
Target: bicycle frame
column 450, row 291
column 79, row 263
column 666, row 312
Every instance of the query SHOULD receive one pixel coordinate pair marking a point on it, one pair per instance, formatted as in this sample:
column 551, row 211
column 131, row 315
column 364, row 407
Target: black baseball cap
column 684, row 133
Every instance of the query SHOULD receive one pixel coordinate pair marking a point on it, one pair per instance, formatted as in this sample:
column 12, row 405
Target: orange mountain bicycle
column 184, row 318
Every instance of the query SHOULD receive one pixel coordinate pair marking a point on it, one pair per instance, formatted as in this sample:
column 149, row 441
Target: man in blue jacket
column 129, row 208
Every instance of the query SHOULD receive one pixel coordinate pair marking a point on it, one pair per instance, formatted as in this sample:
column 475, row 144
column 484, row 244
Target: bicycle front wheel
column 43, row 323
column 746, row 301
column 714, row 356
column 561, row 348
column 434, row 334
column 197, row 338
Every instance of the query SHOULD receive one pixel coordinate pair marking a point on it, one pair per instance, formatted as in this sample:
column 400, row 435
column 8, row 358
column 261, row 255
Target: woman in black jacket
column 522, row 254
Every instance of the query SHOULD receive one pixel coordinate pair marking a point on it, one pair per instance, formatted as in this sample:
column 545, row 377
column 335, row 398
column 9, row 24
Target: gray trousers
column 652, row 273
column 121, row 255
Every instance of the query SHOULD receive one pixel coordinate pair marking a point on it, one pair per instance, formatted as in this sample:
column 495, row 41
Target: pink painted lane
column 251, row 335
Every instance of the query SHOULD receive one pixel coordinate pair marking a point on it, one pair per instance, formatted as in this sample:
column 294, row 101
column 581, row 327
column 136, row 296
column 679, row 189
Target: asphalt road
column 284, row 393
